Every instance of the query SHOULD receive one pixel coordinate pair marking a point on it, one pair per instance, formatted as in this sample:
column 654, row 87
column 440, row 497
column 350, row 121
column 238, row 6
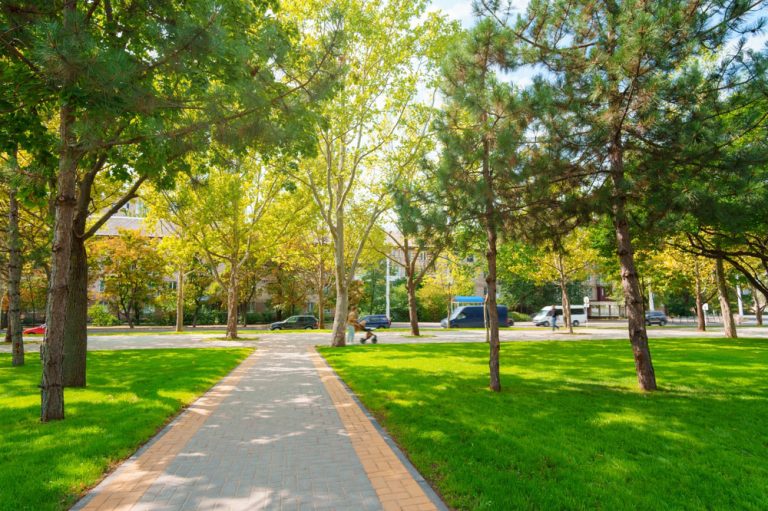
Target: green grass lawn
column 130, row 395
column 570, row 429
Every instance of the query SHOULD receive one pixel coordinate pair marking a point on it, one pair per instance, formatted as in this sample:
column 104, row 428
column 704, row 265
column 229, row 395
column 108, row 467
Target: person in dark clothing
column 553, row 321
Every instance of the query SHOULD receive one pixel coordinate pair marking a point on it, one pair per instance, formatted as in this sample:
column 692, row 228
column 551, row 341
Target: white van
column 578, row 315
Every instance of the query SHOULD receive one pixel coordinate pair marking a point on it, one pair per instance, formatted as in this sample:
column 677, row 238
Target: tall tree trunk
column 342, row 288
column 413, row 312
column 52, row 350
column 701, row 319
column 340, row 314
column 321, row 298
column 14, row 272
column 179, row 300
column 76, row 325
column 566, row 301
column 758, row 306
column 490, row 279
column 232, row 303
column 633, row 297
column 729, row 326
column 493, row 312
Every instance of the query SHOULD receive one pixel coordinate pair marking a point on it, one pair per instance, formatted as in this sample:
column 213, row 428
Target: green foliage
column 132, row 270
column 100, row 316
column 131, row 394
column 519, row 316
column 570, row 430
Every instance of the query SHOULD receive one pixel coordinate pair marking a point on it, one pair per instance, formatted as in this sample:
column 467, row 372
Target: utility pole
column 386, row 279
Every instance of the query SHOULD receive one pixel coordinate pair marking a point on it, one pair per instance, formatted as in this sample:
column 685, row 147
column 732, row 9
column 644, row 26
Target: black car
column 656, row 317
column 376, row 321
column 295, row 323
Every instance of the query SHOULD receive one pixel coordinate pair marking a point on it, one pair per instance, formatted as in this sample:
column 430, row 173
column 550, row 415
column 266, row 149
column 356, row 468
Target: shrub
column 519, row 316
column 100, row 316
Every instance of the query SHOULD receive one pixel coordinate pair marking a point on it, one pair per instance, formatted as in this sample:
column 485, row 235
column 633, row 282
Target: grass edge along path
column 131, row 396
column 570, row 430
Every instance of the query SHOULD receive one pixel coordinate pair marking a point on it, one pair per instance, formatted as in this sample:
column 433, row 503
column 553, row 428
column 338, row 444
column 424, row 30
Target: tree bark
column 490, row 279
column 76, row 325
column 566, row 306
column 14, row 272
column 633, row 297
column 179, row 300
column 342, row 288
column 321, row 296
column 413, row 312
column 52, row 349
column 757, row 306
column 729, row 326
column 340, row 315
column 232, row 308
column 493, row 312
column 701, row 319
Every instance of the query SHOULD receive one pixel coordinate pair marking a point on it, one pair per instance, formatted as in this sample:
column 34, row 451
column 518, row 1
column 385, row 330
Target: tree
column 287, row 290
column 307, row 252
column 132, row 270
column 676, row 269
column 632, row 104
column 450, row 278
column 227, row 212
column 14, row 265
column 569, row 260
column 417, row 258
column 128, row 87
column 421, row 233
column 480, row 133
column 759, row 303
column 181, row 255
column 365, row 144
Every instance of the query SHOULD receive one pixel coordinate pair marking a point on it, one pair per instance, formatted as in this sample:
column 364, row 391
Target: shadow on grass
column 130, row 396
column 570, row 430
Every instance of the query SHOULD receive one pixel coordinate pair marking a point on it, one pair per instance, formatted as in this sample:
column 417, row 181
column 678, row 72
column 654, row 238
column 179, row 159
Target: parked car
column 376, row 321
column 471, row 316
column 35, row 330
column 578, row 315
column 656, row 317
column 295, row 323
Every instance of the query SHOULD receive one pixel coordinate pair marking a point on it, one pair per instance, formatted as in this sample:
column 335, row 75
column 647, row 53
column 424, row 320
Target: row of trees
column 647, row 120
column 242, row 122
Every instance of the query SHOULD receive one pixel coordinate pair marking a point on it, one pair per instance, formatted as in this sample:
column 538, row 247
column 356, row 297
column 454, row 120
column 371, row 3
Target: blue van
column 471, row 316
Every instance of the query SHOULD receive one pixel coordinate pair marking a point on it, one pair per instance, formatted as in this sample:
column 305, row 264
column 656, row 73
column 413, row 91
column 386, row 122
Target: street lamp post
column 386, row 279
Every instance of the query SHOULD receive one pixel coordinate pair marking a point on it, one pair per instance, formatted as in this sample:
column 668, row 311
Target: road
column 116, row 339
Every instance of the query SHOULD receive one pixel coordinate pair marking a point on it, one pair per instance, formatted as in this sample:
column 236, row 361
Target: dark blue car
column 376, row 321
column 471, row 316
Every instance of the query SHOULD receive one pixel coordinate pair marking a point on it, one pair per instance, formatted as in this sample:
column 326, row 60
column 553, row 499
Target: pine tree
column 480, row 132
column 623, row 90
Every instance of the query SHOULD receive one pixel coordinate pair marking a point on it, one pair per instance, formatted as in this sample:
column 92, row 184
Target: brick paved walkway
column 273, row 435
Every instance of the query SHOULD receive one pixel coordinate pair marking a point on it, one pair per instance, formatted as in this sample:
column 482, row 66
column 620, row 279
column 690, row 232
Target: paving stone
column 269, row 437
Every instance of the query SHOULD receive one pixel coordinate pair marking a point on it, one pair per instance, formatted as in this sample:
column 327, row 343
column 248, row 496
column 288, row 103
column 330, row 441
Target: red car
column 36, row 330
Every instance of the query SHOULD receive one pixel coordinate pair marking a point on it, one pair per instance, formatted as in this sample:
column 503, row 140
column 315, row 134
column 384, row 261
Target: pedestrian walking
column 553, row 321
